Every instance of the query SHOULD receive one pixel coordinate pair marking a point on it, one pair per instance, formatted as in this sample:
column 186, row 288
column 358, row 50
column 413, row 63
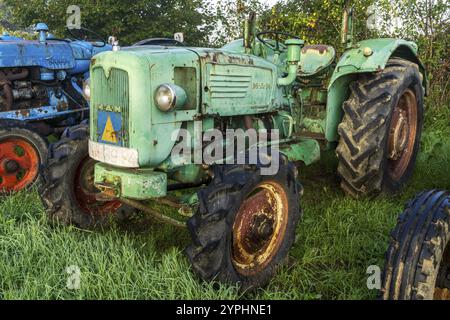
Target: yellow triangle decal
column 109, row 134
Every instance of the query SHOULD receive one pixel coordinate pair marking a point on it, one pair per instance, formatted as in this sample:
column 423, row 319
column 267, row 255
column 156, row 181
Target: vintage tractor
column 368, row 103
column 418, row 258
column 41, row 93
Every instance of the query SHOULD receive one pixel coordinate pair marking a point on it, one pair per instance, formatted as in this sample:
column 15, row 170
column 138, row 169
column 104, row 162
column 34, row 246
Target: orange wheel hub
column 19, row 164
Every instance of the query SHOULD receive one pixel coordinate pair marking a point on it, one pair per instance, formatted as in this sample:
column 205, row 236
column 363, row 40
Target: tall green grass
column 336, row 242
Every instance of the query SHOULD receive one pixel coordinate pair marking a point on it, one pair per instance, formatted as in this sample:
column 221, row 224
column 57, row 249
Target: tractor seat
column 315, row 60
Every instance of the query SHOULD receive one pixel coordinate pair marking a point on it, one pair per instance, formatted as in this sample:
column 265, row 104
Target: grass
column 336, row 242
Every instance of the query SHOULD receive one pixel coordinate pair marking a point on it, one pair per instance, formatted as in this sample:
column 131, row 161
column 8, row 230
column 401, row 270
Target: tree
column 316, row 21
column 128, row 20
column 229, row 16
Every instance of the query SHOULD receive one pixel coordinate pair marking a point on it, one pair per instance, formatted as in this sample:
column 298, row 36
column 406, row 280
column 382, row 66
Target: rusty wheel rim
column 19, row 164
column 402, row 135
column 85, row 191
column 259, row 228
column 442, row 291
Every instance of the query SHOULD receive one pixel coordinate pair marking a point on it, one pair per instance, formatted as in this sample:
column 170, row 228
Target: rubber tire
column 57, row 192
column 210, row 253
column 21, row 130
column 417, row 249
column 364, row 130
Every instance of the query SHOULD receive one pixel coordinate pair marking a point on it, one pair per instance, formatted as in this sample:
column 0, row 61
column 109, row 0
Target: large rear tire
column 68, row 191
column 418, row 258
column 245, row 224
column 381, row 129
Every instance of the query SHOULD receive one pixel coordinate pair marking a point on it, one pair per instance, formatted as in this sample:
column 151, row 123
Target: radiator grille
column 112, row 94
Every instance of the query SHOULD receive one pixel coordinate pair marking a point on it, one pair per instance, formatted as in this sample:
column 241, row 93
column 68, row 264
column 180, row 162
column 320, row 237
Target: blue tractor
column 44, row 88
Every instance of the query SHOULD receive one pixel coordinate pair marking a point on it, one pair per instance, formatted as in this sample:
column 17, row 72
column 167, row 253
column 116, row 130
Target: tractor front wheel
column 68, row 190
column 418, row 258
column 381, row 130
column 245, row 224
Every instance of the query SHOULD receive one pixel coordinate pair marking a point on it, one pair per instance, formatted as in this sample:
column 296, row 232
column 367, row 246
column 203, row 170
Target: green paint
column 139, row 184
column 293, row 91
column 353, row 62
column 307, row 151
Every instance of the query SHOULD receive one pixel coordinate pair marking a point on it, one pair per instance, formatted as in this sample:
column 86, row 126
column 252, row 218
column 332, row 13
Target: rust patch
column 321, row 48
column 220, row 57
column 441, row 294
column 402, row 134
column 259, row 228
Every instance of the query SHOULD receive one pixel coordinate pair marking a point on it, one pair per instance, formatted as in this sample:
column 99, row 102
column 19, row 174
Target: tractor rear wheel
column 381, row 130
column 22, row 152
column 68, row 190
column 418, row 258
column 245, row 224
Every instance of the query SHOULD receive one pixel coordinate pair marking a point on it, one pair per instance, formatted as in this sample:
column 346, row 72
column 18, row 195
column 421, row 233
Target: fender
column 354, row 61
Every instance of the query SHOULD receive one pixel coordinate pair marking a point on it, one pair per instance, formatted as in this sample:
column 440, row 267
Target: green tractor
column 367, row 105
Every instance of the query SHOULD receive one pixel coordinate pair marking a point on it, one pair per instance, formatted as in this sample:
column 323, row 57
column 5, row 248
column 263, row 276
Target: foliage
column 426, row 22
column 229, row 15
column 130, row 21
column 315, row 21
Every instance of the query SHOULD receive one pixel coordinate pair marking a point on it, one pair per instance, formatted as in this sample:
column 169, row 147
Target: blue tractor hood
column 53, row 55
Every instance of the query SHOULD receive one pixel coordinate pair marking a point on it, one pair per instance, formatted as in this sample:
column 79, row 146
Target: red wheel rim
column 402, row 135
column 259, row 228
column 85, row 191
column 19, row 164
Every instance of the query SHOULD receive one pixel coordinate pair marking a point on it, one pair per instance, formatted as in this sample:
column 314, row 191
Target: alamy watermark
column 74, row 278
column 74, row 19
column 374, row 278
column 234, row 146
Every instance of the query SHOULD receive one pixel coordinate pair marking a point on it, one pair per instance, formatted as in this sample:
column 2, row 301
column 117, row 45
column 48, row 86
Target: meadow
column 337, row 240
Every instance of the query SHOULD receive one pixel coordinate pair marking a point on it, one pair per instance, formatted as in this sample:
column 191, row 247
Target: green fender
column 366, row 56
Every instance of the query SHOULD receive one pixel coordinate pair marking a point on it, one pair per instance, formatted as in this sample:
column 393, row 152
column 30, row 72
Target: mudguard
column 366, row 56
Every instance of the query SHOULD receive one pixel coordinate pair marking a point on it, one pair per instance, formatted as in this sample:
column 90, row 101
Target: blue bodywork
column 41, row 80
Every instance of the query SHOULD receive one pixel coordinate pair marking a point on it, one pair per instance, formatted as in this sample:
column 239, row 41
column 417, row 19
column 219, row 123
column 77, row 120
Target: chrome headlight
column 87, row 89
column 169, row 97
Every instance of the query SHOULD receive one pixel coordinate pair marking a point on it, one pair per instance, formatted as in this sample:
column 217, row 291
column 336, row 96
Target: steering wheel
column 84, row 34
column 278, row 34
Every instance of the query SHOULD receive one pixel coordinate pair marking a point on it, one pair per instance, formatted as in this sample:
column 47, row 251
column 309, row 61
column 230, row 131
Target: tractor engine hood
column 124, row 113
column 125, row 121
column 54, row 55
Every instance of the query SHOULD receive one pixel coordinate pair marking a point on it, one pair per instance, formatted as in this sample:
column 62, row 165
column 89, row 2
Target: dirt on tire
column 365, row 131
column 60, row 191
column 418, row 258
column 211, row 253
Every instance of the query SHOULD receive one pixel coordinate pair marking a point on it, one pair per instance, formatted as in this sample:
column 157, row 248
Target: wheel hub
column 19, row 164
column 86, row 193
column 402, row 135
column 259, row 228
column 11, row 166
column 399, row 134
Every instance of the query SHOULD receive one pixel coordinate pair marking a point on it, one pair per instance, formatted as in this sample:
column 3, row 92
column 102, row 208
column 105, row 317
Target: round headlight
column 87, row 89
column 169, row 97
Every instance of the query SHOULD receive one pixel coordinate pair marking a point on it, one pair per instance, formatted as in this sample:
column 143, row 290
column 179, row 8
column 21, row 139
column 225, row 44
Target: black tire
column 418, row 258
column 211, row 228
column 59, row 191
column 15, row 130
column 363, row 149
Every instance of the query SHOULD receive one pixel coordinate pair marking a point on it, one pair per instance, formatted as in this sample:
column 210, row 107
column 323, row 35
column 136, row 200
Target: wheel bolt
column 265, row 230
